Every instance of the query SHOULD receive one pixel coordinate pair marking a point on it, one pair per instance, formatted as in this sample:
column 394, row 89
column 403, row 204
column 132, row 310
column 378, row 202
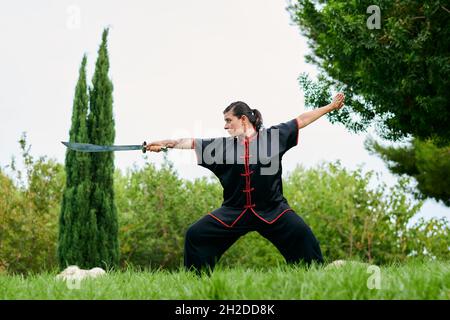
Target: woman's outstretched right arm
column 310, row 116
column 184, row 143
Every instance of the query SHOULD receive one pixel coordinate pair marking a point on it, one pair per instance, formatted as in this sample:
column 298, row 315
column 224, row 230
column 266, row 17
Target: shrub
column 29, row 208
column 353, row 220
column 350, row 219
column 155, row 209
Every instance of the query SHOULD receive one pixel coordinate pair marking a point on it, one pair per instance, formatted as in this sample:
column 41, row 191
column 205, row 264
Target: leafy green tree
column 396, row 77
column 77, row 224
column 423, row 160
column 101, row 131
column 29, row 206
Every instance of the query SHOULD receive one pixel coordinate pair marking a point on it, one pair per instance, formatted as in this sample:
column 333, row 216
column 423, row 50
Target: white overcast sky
column 175, row 66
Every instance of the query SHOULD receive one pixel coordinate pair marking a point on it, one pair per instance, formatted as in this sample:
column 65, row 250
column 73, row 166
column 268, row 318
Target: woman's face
column 233, row 124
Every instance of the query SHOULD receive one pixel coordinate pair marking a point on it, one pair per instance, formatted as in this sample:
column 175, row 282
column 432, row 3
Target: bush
column 352, row 220
column 29, row 209
column 155, row 207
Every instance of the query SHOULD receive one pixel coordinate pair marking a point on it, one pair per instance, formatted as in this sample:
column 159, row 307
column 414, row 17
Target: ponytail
column 258, row 119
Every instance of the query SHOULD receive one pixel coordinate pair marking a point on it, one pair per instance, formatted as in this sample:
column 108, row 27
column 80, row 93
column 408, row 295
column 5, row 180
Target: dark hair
column 240, row 109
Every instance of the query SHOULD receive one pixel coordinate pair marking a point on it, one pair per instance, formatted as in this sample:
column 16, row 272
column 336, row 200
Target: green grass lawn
column 412, row 280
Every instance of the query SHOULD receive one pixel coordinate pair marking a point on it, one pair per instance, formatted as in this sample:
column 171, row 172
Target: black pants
column 207, row 239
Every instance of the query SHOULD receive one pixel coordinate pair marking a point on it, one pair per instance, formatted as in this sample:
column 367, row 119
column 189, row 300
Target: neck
column 248, row 132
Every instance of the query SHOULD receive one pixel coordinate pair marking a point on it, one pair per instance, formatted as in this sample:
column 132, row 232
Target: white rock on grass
column 341, row 263
column 75, row 273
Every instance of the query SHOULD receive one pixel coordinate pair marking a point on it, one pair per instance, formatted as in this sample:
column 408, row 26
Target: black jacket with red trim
column 250, row 172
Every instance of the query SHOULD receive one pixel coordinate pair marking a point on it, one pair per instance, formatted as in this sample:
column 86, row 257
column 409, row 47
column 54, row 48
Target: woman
column 248, row 165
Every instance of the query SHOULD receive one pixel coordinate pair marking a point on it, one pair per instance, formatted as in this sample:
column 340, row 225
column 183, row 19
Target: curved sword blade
column 87, row 147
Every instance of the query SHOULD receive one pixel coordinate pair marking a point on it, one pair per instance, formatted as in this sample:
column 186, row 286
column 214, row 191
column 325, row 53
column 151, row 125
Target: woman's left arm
column 310, row 116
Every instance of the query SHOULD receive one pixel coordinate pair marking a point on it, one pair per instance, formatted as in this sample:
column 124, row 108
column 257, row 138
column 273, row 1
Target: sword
column 87, row 147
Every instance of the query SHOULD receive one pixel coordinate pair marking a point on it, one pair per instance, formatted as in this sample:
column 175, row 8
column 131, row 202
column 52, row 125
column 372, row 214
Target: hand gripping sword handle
column 144, row 148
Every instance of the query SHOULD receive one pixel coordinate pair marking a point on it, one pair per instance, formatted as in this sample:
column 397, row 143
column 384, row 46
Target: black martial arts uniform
column 249, row 170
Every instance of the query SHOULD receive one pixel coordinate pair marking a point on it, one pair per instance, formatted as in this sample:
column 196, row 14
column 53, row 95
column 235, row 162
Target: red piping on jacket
column 248, row 189
column 270, row 222
column 234, row 222
column 254, row 212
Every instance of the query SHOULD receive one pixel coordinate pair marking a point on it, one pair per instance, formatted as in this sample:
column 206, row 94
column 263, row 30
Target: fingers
column 157, row 146
column 339, row 97
column 152, row 147
column 339, row 100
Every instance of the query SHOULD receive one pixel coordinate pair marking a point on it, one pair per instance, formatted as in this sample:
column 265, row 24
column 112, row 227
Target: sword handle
column 144, row 148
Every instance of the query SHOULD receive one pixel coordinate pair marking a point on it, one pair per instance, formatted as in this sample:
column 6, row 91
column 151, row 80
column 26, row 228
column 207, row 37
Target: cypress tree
column 101, row 131
column 77, row 224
